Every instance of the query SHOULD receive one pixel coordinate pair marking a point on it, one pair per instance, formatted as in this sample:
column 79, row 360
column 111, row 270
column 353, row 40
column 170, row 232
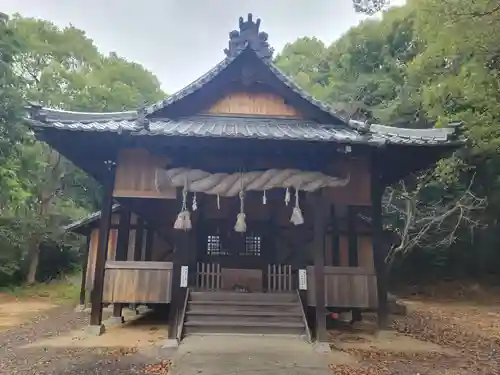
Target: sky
column 179, row 40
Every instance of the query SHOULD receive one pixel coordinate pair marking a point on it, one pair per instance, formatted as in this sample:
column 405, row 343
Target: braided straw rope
column 230, row 184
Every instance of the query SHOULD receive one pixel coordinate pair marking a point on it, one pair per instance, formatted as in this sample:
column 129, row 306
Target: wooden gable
column 254, row 104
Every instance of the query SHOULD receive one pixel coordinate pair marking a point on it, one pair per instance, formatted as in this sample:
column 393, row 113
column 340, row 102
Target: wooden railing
column 208, row 276
column 345, row 287
column 137, row 282
column 279, row 278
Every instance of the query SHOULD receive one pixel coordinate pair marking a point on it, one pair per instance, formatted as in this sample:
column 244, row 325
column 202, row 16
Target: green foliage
column 63, row 290
column 369, row 6
column 40, row 190
column 429, row 62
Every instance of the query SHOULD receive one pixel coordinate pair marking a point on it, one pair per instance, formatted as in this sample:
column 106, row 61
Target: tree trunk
column 34, row 260
column 34, row 253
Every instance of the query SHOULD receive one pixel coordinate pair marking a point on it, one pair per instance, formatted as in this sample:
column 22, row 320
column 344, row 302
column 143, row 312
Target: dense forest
column 39, row 190
column 428, row 63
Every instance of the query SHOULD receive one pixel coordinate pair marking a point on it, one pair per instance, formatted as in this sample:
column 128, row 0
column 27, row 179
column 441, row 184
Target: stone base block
column 321, row 347
column 170, row 343
column 80, row 308
column 95, row 330
column 114, row 321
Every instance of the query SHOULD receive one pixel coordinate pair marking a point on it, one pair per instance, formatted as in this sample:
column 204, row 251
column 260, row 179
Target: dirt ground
column 14, row 312
column 439, row 336
column 445, row 333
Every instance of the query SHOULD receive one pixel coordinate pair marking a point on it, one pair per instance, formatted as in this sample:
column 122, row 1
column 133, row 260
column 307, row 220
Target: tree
column 427, row 63
column 10, row 111
column 424, row 217
column 62, row 68
column 369, row 6
column 10, row 115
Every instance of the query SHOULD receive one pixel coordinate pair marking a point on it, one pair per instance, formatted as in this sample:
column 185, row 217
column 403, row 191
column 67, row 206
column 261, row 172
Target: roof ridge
column 290, row 82
column 44, row 114
column 193, row 86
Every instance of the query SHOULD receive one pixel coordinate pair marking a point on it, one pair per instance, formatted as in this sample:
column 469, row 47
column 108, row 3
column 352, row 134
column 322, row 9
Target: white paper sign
column 184, row 276
column 302, row 279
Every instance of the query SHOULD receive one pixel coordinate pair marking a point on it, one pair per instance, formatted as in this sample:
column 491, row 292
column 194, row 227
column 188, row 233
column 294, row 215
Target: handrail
column 304, row 319
column 180, row 324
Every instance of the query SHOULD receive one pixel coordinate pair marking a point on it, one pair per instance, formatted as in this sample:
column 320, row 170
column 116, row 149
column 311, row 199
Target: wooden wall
column 94, row 239
column 137, row 282
column 357, row 191
column 256, row 104
column 135, row 175
column 345, row 287
column 364, row 251
column 113, row 237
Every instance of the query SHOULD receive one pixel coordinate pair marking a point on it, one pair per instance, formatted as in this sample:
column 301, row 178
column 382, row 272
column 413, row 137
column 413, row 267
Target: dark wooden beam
column 102, row 246
column 150, row 237
column 320, row 209
column 335, row 237
column 123, row 234
column 352, row 236
column 379, row 247
column 122, row 247
column 139, row 239
column 84, row 271
column 181, row 258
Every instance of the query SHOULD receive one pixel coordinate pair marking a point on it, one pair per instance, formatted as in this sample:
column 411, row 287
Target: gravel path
column 16, row 360
column 478, row 353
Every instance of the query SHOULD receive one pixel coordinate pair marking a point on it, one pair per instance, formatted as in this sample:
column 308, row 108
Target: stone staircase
column 251, row 313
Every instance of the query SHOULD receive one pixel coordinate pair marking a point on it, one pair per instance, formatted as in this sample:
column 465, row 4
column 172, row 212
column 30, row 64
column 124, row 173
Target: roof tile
column 278, row 129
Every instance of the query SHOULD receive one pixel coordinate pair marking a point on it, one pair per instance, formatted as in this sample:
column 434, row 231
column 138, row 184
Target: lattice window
column 214, row 246
column 252, row 246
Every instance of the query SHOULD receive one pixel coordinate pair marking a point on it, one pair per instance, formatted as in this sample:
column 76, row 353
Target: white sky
column 179, row 40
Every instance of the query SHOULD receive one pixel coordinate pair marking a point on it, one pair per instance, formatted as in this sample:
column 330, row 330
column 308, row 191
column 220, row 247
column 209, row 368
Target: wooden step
column 243, row 307
column 243, row 303
column 236, row 296
column 245, row 319
column 242, row 312
column 242, row 327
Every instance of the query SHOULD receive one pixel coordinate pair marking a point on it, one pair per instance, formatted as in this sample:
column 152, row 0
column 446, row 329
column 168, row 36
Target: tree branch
column 430, row 223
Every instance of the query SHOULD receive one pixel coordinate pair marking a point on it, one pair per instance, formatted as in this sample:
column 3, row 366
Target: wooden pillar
column 180, row 258
column 379, row 252
column 150, row 237
column 352, row 236
column 191, row 263
column 335, row 237
column 102, row 246
column 84, row 271
column 320, row 209
column 122, row 247
column 139, row 238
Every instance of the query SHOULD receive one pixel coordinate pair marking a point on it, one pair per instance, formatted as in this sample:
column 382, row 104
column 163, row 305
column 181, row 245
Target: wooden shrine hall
column 245, row 205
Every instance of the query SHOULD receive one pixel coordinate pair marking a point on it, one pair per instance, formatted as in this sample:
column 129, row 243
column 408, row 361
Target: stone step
column 272, row 317
column 243, row 327
column 242, row 312
column 244, row 306
column 236, row 296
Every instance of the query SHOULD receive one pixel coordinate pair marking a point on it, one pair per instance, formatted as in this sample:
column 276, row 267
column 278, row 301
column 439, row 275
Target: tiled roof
column 217, row 69
column 193, row 86
column 348, row 131
column 256, row 128
column 74, row 226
